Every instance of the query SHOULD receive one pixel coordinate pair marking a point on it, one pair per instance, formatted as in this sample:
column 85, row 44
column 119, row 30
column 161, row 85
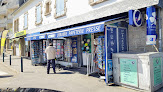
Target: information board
column 122, row 32
column 128, row 71
column 157, row 71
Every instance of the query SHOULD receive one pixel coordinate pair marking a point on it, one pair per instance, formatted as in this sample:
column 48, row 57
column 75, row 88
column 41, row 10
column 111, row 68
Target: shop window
column 25, row 20
column 16, row 25
column 47, row 7
column 94, row 2
column 38, row 14
column 60, row 8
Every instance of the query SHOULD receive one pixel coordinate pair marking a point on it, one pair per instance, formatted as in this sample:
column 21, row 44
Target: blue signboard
column 151, row 25
column 74, row 50
column 122, row 36
column 38, row 37
column 111, row 48
column 80, row 31
column 111, row 41
column 135, row 18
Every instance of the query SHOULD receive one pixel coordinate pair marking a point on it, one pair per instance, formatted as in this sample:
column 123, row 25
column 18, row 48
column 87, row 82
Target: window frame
column 92, row 3
column 50, row 9
column 39, row 4
column 16, row 25
column 25, row 27
column 55, row 7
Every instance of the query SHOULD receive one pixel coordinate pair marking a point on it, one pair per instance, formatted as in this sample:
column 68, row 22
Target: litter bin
column 138, row 70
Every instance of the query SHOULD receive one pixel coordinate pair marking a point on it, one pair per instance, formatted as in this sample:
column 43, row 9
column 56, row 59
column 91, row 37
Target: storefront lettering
column 62, row 34
column 41, row 37
column 34, row 37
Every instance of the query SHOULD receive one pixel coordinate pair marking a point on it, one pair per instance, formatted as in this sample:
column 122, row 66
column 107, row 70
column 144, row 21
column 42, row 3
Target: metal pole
column 3, row 57
column 10, row 59
column 160, row 30
column 21, row 64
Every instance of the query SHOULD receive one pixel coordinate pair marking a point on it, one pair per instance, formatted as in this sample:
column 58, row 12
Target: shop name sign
column 135, row 18
column 22, row 33
column 80, row 31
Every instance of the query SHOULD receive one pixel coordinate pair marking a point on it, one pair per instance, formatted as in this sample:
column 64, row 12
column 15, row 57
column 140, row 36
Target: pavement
column 67, row 80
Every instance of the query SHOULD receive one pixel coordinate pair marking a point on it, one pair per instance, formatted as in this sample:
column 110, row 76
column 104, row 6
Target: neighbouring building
column 7, row 7
column 84, row 30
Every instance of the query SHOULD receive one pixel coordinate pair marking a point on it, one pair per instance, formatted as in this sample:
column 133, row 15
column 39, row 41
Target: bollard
column 3, row 57
column 21, row 64
column 10, row 59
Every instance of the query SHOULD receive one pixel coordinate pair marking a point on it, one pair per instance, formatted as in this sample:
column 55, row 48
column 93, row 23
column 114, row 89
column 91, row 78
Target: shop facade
column 19, row 43
column 92, row 35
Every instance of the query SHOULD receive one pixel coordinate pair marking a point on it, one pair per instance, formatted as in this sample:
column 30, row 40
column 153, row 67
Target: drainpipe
column 160, row 30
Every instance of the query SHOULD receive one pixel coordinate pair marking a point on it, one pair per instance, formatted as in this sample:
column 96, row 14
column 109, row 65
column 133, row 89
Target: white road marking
column 3, row 73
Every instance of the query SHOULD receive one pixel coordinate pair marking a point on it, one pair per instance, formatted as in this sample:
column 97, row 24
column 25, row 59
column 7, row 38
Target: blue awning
column 86, row 29
column 36, row 37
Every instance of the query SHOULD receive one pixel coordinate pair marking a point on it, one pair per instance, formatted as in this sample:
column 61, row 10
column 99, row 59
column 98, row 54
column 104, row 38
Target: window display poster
column 128, row 71
column 44, row 47
column 74, row 50
column 157, row 71
column 58, row 49
column 122, row 39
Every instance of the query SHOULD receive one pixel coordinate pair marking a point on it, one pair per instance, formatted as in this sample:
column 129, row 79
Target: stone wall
column 137, row 38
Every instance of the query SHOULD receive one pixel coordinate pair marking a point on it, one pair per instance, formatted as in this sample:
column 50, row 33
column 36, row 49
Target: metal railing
column 91, row 66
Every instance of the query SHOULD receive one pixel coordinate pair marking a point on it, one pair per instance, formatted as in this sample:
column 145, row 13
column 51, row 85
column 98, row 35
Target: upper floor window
column 25, row 20
column 38, row 14
column 60, row 8
column 94, row 2
column 47, row 7
column 16, row 25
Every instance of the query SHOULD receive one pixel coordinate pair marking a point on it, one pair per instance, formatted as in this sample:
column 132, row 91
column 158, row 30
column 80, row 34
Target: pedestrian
column 51, row 55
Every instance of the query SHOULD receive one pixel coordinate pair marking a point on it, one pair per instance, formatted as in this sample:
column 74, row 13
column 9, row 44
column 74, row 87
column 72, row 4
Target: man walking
column 51, row 54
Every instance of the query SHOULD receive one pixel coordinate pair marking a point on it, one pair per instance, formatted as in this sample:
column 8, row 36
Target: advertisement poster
column 111, row 48
column 157, row 71
column 128, row 71
column 44, row 47
column 151, row 25
column 74, row 50
column 112, row 41
column 122, row 32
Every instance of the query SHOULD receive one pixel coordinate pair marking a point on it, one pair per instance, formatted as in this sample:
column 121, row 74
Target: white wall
column 74, row 8
column 77, row 11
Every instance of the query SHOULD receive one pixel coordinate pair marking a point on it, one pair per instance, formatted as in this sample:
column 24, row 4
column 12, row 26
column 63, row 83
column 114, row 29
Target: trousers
column 48, row 65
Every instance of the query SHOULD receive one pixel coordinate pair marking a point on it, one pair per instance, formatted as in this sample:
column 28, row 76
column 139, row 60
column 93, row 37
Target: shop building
column 86, row 30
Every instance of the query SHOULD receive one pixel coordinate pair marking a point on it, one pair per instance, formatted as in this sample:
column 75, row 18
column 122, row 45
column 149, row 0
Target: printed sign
column 157, row 71
column 128, row 71
column 112, row 41
column 21, row 33
column 151, row 25
column 74, row 50
column 122, row 32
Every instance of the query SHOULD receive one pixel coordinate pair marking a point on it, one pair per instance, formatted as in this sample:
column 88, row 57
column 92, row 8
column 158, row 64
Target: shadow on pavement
column 28, row 90
column 6, row 76
column 65, row 73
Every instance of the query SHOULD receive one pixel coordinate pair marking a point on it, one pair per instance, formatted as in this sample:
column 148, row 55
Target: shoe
column 54, row 72
column 47, row 73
